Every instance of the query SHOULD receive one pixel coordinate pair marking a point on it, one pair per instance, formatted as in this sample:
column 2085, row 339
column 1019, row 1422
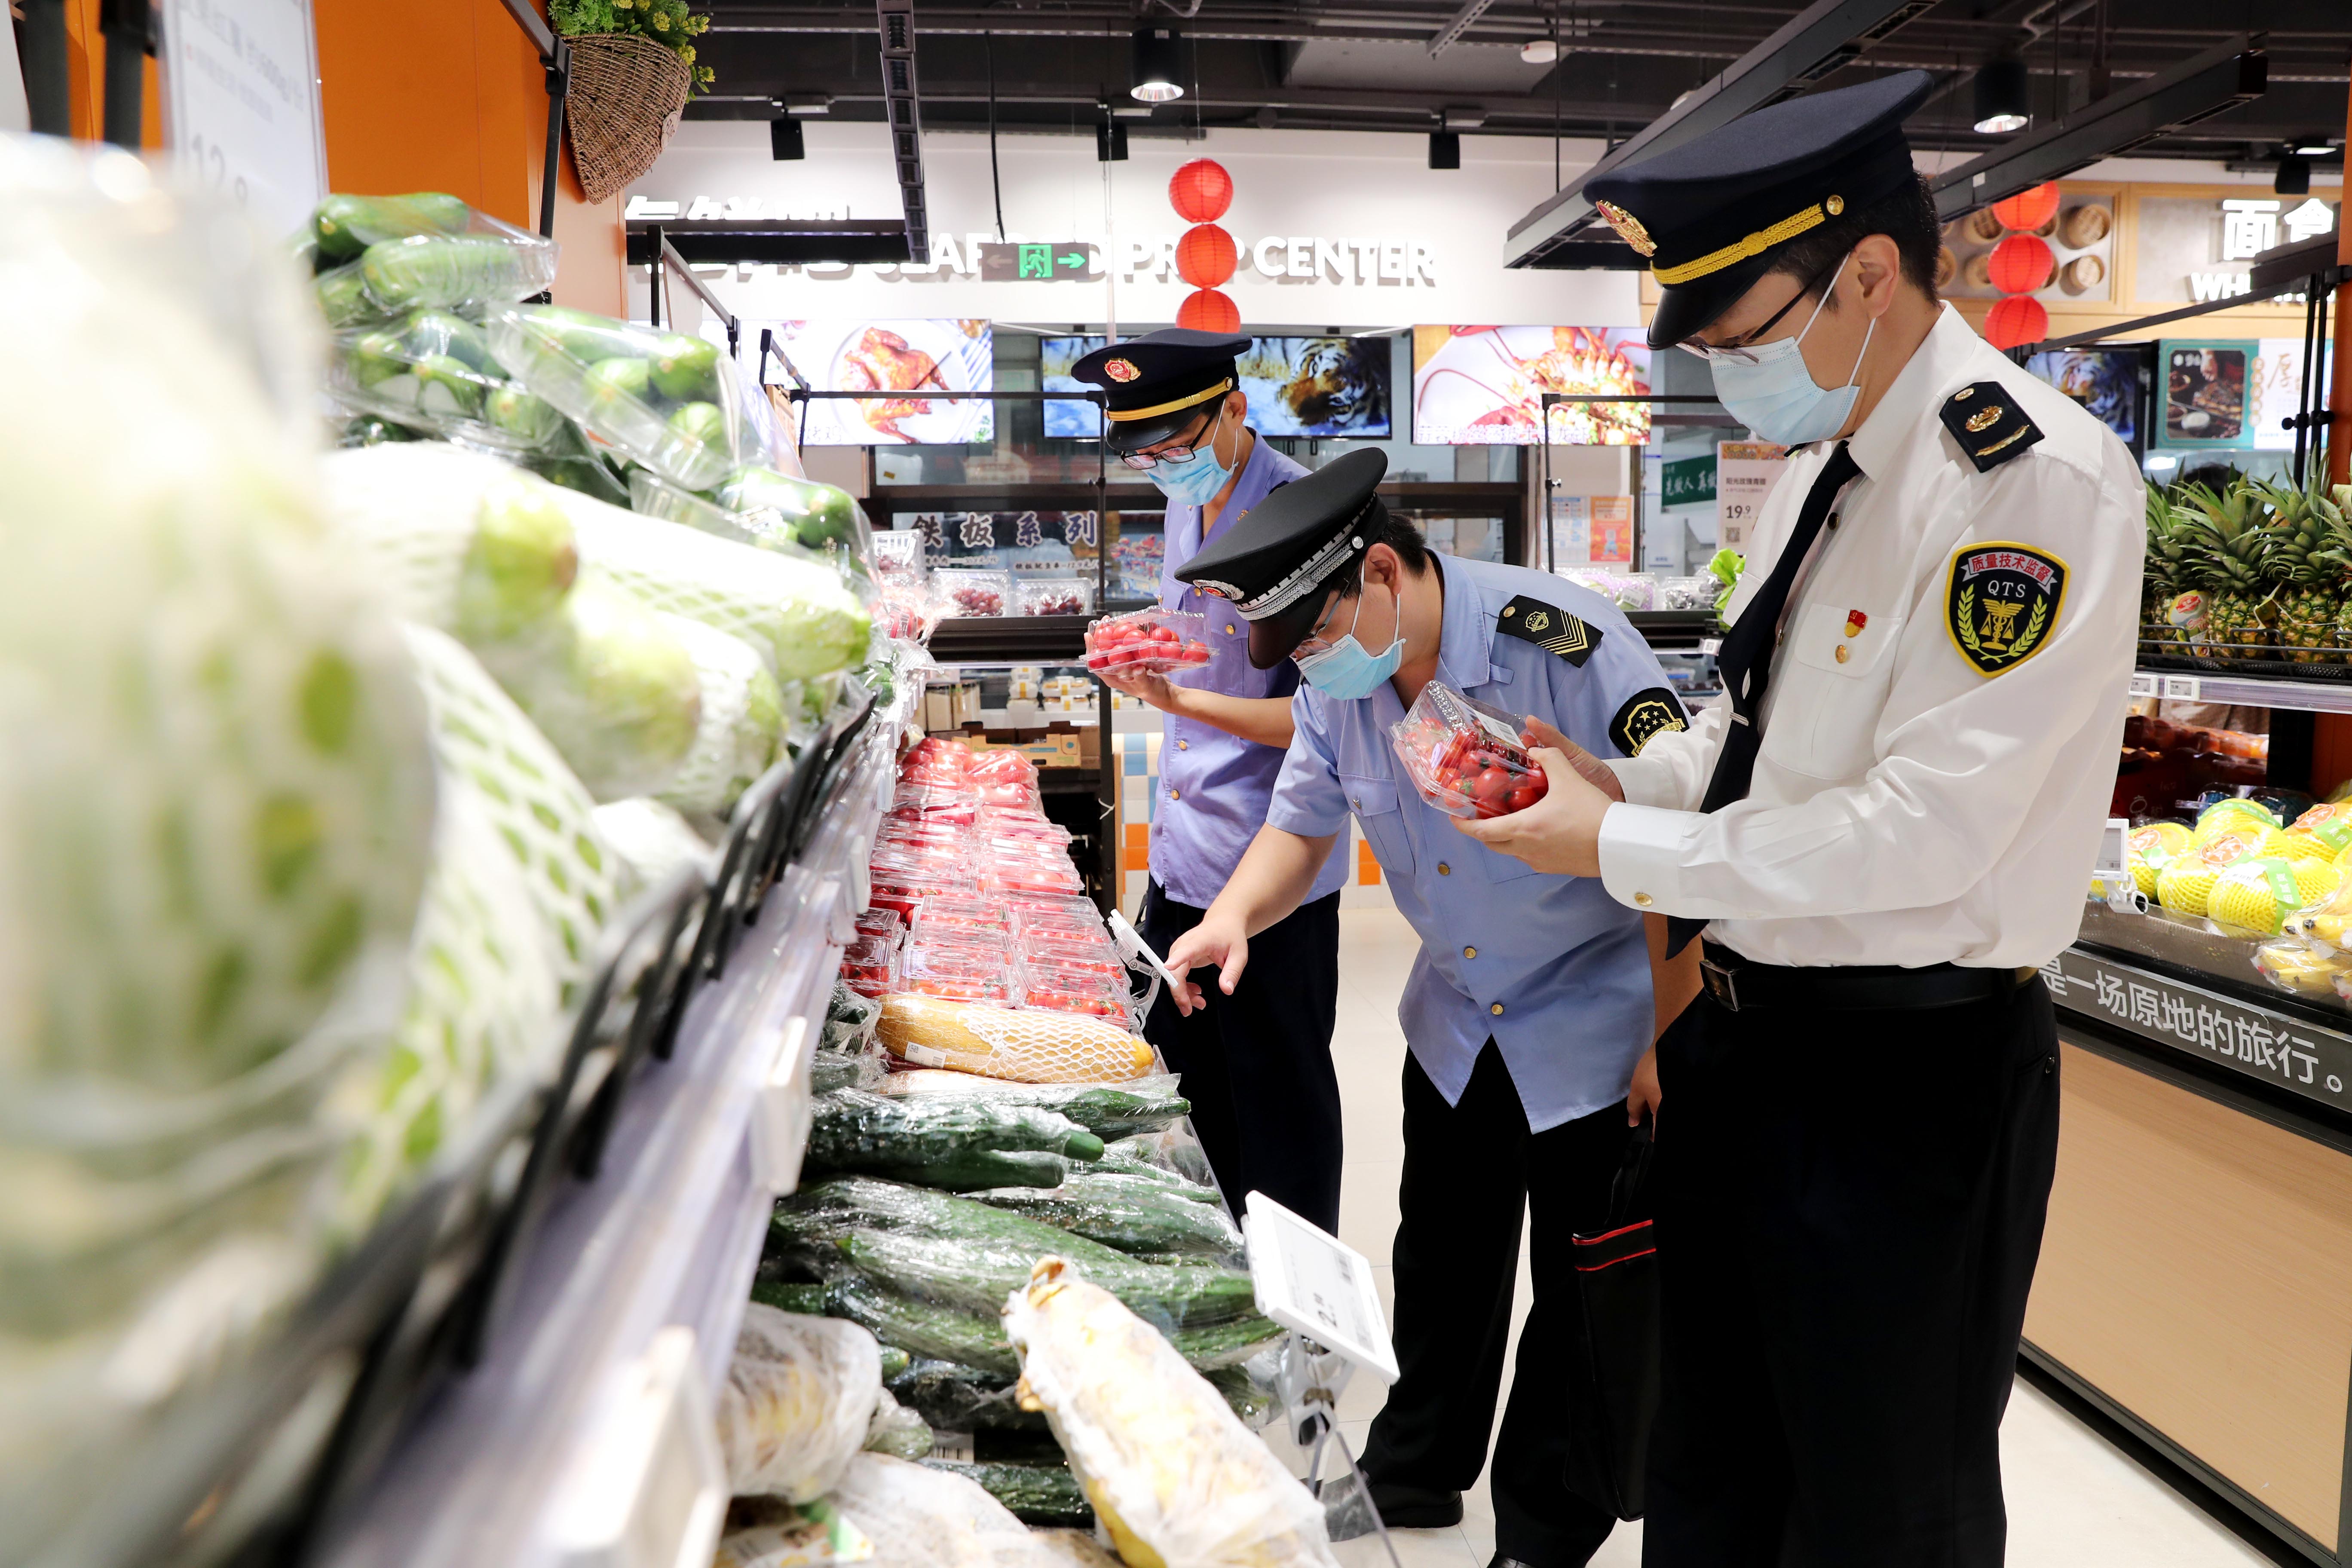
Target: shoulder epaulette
column 1984, row 419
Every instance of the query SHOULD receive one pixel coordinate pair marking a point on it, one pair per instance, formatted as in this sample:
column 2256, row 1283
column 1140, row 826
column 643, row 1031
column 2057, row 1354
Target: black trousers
column 1471, row 1171
column 1850, row 1207
column 1258, row 1064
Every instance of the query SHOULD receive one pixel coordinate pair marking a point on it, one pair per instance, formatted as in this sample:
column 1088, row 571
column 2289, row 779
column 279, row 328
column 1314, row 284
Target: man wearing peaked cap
column 1884, row 827
column 1530, row 1004
column 1258, row 1064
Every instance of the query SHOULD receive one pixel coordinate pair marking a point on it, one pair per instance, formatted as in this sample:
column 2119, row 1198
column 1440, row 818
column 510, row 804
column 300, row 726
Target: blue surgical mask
column 1774, row 394
column 1344, row 671
column 1197, row 482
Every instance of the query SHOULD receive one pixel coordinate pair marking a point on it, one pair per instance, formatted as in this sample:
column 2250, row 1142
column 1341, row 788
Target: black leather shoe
column 1502, row 1561
column 1403, row 1506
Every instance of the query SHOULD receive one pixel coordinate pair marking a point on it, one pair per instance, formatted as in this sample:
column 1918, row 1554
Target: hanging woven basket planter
column 625, row 96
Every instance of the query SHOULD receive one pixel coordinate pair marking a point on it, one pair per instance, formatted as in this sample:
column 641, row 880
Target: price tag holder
column 2181, row 688
column 241, row 104
column 780, row 1121
column 1310, row 1281
column 648, row 1489
column 2143, row 685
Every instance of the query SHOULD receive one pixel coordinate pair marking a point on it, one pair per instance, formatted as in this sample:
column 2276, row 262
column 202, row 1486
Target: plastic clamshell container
column 1463, row 757
column 1054, row 595
column 973, row 594
column 898, row 553
column 950, row 913
column 888, row 924
column 955, row 975
column 662, row 399
column 1053, row 988
column 1153, row 641
column 1030, row 876
column 869, row 965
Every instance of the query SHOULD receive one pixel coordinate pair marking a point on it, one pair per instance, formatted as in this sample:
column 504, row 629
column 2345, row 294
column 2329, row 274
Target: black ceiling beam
column 894, row 22
column 2220, row 78
column 1825, row 36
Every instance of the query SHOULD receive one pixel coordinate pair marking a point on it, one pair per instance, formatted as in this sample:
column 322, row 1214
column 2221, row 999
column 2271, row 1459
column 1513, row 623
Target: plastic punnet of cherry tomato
column 1154, row 641
column 1455, row 749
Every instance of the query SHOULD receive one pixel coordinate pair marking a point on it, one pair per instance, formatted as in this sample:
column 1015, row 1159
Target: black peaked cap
column 1162, row 382
column 1275, row 558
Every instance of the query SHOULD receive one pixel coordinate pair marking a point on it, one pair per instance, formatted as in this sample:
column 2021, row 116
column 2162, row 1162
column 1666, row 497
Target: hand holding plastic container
column 1153, row 641
column 1465, row 756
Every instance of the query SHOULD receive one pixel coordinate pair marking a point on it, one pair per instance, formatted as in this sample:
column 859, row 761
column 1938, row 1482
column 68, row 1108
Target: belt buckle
column 1722, row 983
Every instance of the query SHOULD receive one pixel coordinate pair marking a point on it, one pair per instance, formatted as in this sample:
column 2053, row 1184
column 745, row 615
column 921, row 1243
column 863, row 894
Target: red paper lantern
column 2028, row 209
column 1201, row 191
column 2019, row 318
column 2020, row 265
column 1206, row 310
column 1206, row 256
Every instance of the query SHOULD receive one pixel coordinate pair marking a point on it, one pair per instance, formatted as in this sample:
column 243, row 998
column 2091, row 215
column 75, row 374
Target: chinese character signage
column 2306, row 1058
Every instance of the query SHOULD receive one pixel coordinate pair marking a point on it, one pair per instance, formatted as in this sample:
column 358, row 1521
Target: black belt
column 1741, row 984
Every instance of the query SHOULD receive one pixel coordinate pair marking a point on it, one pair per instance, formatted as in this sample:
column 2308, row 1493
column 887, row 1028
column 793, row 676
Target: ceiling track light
column 2294, row 176
column 2002, row 96
column 1157, row 73
column 1444, row 148
column 786, row 142
column 2313, row 147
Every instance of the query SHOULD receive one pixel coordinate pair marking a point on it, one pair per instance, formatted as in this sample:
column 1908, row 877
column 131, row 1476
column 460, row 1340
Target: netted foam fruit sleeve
column 792, row 609
column 539, row 810
column 411, row 507
column 741, row 722
column 1001, row 1042
column 1174, row 1475
column 799, row 1398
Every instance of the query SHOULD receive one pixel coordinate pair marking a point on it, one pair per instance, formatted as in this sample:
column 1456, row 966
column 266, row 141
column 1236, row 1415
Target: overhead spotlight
column 1159, row 67
column 2313, row 147
column 1539, row 51
column 1267, row 117
column 785, row 143
column 808, row 103
column 2294, row 176
column 1444, row 148
column 1462, row 117
column 2003, row 104
column 1111, row 142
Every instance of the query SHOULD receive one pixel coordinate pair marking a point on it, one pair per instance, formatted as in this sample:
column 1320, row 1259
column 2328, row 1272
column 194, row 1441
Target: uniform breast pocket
column 1838, row 664
column 1379, row 809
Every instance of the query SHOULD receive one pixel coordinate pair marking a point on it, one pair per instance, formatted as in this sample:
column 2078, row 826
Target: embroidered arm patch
column 2002, row 602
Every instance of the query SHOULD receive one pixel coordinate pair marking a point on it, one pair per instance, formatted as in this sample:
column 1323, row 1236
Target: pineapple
column 2229, row 550
column 2333, row 509
column 2309, row 586
column 2165, row 574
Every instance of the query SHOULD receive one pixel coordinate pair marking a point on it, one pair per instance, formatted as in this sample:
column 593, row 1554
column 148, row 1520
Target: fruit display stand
column 579, row 1425
column 2196, row 1276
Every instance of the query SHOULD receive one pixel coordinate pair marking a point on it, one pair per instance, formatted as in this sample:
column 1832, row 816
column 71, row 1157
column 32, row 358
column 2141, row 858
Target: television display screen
column 1329, row 386
column 901, row 360
column 2203, row 401
column 1480, row 387
column 2105, row 381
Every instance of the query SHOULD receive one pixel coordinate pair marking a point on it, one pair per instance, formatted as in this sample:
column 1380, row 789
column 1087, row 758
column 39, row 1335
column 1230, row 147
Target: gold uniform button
column 1643, row 900
column 1232, row 630
column 1496, row 1009
column 1843, row 653
column 1173, row 794
column 1469, row 953
column 1444, row 869
column 1184, row 745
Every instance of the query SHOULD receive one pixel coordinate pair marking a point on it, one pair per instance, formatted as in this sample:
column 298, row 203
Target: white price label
column 241, row 91
column 1310, row 1281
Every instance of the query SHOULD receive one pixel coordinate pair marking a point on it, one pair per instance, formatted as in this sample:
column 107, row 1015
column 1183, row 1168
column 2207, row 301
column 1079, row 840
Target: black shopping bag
column 1613, row 1371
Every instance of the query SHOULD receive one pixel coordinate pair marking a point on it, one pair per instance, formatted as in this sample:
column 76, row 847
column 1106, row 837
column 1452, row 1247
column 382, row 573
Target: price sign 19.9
column 241, row 85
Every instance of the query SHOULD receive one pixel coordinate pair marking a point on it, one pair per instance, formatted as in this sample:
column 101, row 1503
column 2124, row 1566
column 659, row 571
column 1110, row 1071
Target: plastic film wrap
column 797, row 1403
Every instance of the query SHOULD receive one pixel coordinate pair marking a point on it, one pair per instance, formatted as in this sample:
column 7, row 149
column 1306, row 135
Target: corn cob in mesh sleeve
column 1003, row 1042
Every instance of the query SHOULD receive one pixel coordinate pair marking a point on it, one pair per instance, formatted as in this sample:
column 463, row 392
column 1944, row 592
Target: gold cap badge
column 1121, row 370
column 1629, row 228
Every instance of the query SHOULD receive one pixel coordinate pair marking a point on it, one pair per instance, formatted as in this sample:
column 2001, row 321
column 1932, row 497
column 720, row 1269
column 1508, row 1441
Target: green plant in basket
column 667, row 21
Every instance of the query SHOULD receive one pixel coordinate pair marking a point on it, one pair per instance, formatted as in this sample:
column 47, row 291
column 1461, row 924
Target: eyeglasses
column 1745, row 352
column 1144, row 462
column 1313, row 642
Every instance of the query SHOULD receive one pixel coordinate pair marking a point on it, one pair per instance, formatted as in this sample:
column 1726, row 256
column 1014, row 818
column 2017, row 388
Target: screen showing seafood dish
column 897, row 361
column 2105, row 381
column 1483, row 387
column 2205, row 390
column 1330, row 386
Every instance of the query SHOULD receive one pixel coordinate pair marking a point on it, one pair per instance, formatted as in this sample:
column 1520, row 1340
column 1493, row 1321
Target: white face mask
column 1771, row 392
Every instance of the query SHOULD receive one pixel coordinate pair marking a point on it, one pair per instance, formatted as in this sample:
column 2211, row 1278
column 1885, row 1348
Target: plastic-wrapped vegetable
column 797, row 1402
column 541, row 814
column 490, row 263
column 664, row 400
column 1138, row 1105
column 651, row 841
column 343, row 226
column 954, row 1398
column 923, row 1518
column 849, row 1022
column 764, row 1533
column 1171, row 1155
column 853, row 1130
column 610, row 684
column 1002, row 1042
column 811, row 515
column 740, row 725
column 462, row 541
column 1173, row 1475
column 1034, row 1494
column 923, row 1328
column 794, row 610
column 434, row 369
column 1133, row 1214
column 897, row 1430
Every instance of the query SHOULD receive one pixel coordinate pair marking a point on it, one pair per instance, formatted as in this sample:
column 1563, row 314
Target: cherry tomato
column 1492, row 784
column 1523, row 794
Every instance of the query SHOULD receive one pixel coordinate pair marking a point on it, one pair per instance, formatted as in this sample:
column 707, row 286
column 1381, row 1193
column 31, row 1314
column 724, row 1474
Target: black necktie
column 1745, row 659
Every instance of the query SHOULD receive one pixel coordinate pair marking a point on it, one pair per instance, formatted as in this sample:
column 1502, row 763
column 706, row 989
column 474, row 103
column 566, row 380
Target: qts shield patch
column 2001, row 602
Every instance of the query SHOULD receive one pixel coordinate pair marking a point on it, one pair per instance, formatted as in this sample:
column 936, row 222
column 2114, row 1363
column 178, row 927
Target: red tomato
column 1164, row 634
column 1492, row 784
column 1523, row 794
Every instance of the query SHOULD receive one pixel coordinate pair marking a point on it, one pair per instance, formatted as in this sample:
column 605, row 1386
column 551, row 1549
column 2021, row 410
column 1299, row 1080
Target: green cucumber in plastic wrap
column 924, row 1327
column 448, row 270
column 954, row 1397
column 852, row 1130
column 973, row 1169
column 1105, row 1111
column 1034, row 1494
column 795, row 610
column 1129, row 1213
column 1166, row 1157
column 345, row 226
column 809, row 1300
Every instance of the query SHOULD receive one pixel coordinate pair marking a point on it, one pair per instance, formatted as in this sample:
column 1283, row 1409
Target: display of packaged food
column 1054, row 595
column 432, row 370
column 898, row 556
column 1030, row 876
column 1153, row 641
column 969, row 592
column 951, row 913
column 1003, row 764
column 664, row 400
column 888, row 924
column 869, row 965
column 955, row 974
column 1075, row 958
column 1047, row 987
column 1465, row 756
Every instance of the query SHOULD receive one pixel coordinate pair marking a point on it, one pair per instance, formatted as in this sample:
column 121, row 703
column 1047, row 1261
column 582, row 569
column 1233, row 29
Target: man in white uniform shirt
column 1885, row 826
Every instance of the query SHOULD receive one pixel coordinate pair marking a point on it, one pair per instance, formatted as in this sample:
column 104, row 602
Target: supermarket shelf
column 667, row 1234
column 2243, row 690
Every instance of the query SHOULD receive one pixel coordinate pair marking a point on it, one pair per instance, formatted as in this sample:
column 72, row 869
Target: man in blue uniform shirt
column 1258, row 1064
column 1531, row 1009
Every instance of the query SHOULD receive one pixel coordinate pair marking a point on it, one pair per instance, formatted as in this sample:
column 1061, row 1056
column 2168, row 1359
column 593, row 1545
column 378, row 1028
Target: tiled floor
column 2073, row 1500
